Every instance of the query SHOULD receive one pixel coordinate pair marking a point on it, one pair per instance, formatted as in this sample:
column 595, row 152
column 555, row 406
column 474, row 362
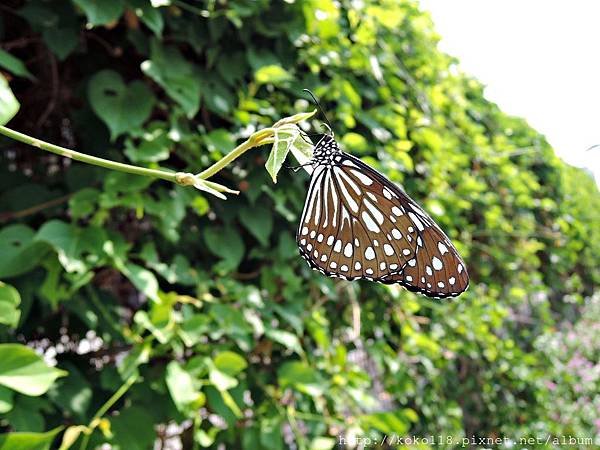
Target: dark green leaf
column 101, row 12
column 14, row 65
column 177, row 76
column 121, row 107
column 259, row 221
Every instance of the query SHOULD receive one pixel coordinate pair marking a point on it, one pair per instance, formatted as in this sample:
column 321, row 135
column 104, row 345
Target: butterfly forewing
column 358, row 224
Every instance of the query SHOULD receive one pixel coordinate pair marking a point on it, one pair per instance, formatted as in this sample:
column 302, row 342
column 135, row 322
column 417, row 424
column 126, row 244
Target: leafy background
column 200, row 311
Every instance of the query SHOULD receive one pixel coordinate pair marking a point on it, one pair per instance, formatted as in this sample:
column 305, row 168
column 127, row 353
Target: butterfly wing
column 344, row 232
column 358, row 224
column 438, row 270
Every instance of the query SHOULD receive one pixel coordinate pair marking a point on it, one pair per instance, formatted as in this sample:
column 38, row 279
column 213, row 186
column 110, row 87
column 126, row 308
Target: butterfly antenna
column 320, row 109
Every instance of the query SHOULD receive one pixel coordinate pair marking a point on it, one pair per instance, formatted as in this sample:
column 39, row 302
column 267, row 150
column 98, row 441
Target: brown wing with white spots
column 437, row 270
column 352, row 226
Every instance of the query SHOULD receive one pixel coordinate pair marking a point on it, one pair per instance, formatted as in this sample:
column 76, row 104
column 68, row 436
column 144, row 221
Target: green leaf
column 101, row 12
column 14, row 65
column 149, row 15
column 131, row 431
column 6, row 399
column 181, row 387
column 123, row 108
column 28, row 441
column 302, row 377
column 272, row 74
column 62, row 41
column 177, row 76
column 287, row 339
column 19, row 253
column 155, row 145
column 287, row 138
column 83, row 203
column 9, row 305
column 259, row 221
column 22, row 370
column 77, row 248
column 8, row 103
column 219, row 140
column 226, row 243
column 221, row 380
column 73, row 393
column 387, row 422
column 230, row 363
column 142, row 279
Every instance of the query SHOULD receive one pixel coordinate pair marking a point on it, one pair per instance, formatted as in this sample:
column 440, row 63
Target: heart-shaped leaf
column 121, row 107
column 176, row 75
column 22, row 370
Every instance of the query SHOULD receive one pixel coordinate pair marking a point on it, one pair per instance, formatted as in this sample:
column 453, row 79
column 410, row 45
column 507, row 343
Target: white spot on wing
column 374, row 211
column 416, row 221
column 437, row 263
column 338, row 246
column 442, row 248
column 348, row 250
column 371, row 225
column 388, row 249
column 369, row 253
column 362, row 177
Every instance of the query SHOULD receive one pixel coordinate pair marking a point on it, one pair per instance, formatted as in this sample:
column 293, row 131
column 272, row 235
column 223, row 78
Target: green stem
column 106, row 406
column 106, row 163
column 259, row 138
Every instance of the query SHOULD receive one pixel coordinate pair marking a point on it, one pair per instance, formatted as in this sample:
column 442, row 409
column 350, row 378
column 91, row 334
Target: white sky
column 540, row 60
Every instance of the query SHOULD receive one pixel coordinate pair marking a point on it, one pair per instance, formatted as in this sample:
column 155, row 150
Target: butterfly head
column 325, row 151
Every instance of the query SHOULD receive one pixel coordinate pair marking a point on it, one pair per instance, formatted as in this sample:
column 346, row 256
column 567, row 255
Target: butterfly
column 357, row 224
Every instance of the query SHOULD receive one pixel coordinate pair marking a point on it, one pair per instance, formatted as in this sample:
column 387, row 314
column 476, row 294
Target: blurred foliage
column 197, row 315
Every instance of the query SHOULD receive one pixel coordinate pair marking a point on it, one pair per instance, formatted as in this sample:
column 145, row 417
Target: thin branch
column 106, row 406
column 261, row 137
column 10, row 215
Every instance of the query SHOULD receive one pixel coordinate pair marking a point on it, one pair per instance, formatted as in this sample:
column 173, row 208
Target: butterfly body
column 358, row 224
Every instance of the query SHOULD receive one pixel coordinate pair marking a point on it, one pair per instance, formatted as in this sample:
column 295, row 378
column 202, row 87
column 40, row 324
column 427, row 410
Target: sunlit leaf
column 22, row 370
